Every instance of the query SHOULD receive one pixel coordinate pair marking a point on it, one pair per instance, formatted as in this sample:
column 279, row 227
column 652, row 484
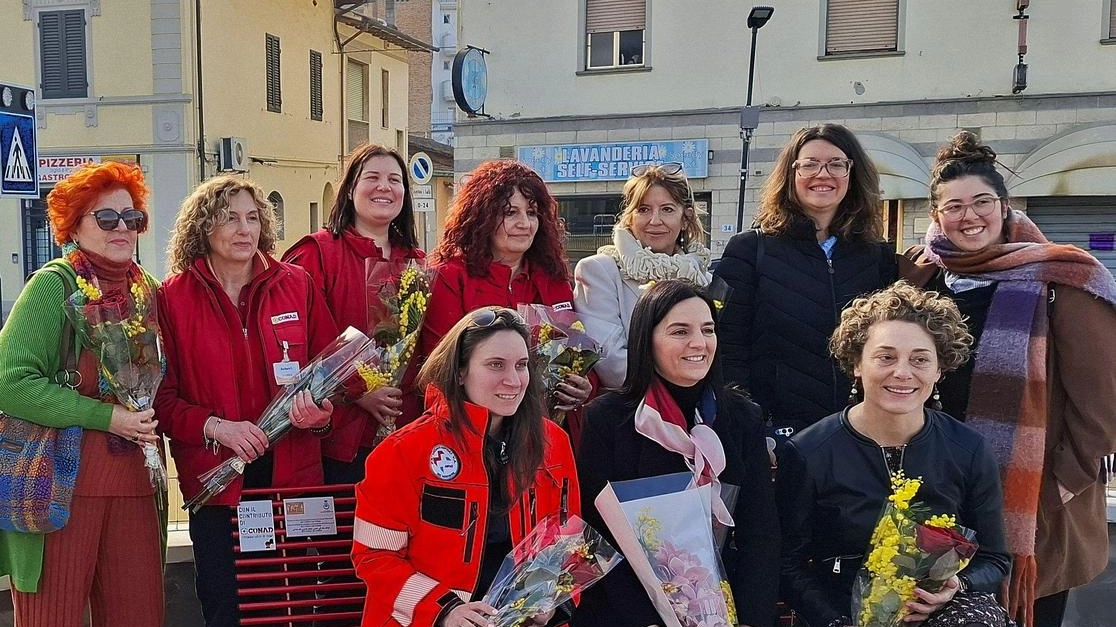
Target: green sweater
column 29, row 359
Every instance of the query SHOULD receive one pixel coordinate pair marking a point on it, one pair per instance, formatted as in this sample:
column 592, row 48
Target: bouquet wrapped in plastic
column 398, row 293
column 551, row 565
column 559, row 341
column 123, row 331
column 322, row 377
column 657, row 523
column 909, row 548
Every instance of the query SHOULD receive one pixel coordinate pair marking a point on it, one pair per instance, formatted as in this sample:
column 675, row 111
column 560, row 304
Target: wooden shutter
column 315, row 85
column 605, row 16
column 274, row 93
column 861, row 26
column 62, row 54
column 356, row 91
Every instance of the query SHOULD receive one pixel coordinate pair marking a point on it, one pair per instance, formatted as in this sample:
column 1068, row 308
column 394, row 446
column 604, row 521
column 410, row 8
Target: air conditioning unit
column 233, row 155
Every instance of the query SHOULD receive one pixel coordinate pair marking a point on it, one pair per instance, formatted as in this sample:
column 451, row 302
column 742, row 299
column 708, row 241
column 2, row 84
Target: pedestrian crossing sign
column 19, row 176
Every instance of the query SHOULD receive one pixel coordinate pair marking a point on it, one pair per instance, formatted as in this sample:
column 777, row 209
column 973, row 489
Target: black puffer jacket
column 832, row 485
column 774, row 330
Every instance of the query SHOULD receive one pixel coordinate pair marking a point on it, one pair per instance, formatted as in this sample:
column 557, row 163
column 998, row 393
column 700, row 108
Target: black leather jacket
column 831, row 487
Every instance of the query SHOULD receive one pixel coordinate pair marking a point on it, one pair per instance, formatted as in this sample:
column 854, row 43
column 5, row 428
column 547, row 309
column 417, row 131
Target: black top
column 612, row 450
column 833, row 482
column 973, row 304
column 785, row 302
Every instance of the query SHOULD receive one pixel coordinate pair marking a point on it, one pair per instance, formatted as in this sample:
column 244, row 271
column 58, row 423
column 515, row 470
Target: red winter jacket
column 455, row 293
column 338, row 266
column 422, row 513
column 217, row 367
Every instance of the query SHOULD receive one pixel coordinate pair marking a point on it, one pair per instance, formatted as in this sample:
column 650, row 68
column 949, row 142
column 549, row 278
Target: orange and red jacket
column 422, row 514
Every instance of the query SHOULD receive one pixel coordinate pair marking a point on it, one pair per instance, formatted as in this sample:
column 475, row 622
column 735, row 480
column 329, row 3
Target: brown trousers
column 107, row 559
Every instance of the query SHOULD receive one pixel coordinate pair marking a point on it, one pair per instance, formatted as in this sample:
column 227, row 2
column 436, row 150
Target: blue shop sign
column 565, row 163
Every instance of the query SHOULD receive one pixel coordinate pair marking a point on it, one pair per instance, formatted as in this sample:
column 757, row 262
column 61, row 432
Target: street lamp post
column 749, row 115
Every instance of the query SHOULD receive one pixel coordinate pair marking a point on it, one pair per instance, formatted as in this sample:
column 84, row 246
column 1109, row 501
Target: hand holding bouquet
column 550, row 566
column 322, row 377
column 559, row 341
column 909, row 548
column 123, row 331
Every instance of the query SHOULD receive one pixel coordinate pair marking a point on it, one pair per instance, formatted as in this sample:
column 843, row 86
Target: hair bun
column 965, row 146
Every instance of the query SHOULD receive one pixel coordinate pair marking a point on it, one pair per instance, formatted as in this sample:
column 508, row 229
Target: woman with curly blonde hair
column 237, row 325
column 834, row 477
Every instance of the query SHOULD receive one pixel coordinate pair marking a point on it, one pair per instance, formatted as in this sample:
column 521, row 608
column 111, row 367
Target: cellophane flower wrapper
column 122, row 329
column 656, row 524
column 560, row 343
column 554, row 563
column 323, row 377
column 398, row 292
column 909, row 548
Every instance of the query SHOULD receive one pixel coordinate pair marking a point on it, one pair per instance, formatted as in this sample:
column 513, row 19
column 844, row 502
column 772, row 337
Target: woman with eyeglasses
column 237, row 327
column 1043, row 315
column 658, row 236
column 372, row 220
column 108, row 556
column 445, row 498
column 817, row 244
column 501, row 246
column 674, row 415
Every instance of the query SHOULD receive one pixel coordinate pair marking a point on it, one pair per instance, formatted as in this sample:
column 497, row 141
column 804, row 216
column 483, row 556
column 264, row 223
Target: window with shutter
column 62, row 55
column 356, row 102
column 853, row 26
column 614, row 33
column 1112, row 20
column 274, row 93
column 315, row 85
column 385, row 97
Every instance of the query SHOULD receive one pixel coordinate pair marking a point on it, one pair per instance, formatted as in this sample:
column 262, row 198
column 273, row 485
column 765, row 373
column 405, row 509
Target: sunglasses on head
column 668, row 168
column 107, row 219
column 488, row 316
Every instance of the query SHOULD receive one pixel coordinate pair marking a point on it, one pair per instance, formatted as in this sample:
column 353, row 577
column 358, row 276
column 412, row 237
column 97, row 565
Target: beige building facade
column 644, row 81
column 276, row 91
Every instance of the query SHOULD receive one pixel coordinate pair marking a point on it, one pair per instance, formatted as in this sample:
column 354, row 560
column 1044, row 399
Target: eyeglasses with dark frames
column 982, row 207
column 809, row 168
column 486, row 317
column 669, row 168
column 107, row 219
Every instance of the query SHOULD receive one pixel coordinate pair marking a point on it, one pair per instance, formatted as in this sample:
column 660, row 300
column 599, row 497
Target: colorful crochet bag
column 38, row 464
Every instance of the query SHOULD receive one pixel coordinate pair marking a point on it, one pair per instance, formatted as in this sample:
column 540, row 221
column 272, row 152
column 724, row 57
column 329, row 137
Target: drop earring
column 853, row 392
column 936, row 399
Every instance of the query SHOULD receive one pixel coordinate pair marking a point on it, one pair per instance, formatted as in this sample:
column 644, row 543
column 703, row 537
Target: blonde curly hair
column 206, row 208
column 935, row 313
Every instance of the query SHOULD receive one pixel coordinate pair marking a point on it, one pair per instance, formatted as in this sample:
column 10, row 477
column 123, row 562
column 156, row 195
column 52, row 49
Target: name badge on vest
column 286, row 371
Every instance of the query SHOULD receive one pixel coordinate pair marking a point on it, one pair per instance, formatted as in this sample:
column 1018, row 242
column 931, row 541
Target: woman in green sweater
column 107, row 557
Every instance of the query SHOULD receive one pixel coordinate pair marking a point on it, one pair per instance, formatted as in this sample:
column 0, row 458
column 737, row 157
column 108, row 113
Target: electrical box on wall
column 232, row 155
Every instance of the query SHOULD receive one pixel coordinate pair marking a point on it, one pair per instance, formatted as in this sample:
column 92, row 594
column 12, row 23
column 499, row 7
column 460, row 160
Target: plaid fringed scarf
column 1008, row 397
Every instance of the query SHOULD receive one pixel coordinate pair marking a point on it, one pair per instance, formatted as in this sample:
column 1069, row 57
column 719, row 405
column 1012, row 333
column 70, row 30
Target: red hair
column 478, row 210
column 74, row 195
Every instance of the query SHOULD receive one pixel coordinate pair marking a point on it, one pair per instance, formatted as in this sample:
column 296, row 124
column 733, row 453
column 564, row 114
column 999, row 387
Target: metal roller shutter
column 1088, row 222
column 861, row 26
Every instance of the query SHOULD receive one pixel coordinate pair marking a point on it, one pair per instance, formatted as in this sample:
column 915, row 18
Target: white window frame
column 583, row 46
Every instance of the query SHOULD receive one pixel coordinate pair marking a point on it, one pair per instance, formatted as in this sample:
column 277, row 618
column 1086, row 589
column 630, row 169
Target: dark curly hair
column 478, row 210
column 902, row 301
column 962, row 156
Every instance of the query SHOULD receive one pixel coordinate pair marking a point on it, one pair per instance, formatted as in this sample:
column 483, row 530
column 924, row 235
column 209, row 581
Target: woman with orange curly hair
column 501, row 246
column 107, row 556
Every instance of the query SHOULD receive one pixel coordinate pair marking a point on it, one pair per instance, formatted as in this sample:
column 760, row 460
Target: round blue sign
column 469, row 79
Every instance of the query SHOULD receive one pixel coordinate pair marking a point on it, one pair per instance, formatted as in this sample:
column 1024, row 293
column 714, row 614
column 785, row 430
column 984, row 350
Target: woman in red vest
column 372, row 220
column 502, row 246
column 236, row 325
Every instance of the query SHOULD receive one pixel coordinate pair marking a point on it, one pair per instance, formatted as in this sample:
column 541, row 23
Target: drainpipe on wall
column 200, row 105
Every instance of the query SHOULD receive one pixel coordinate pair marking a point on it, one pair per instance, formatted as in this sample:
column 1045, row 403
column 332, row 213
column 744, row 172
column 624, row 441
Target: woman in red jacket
column 235, row 324
column 447, row 497
column 372, row 220
column 502, row 246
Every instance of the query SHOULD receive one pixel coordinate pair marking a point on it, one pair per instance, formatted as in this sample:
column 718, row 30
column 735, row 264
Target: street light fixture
column 749, row 116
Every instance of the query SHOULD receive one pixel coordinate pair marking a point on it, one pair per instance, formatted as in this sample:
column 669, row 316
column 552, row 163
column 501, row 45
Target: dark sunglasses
column 668, row 168
column 488, row 316
column 107, row 219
